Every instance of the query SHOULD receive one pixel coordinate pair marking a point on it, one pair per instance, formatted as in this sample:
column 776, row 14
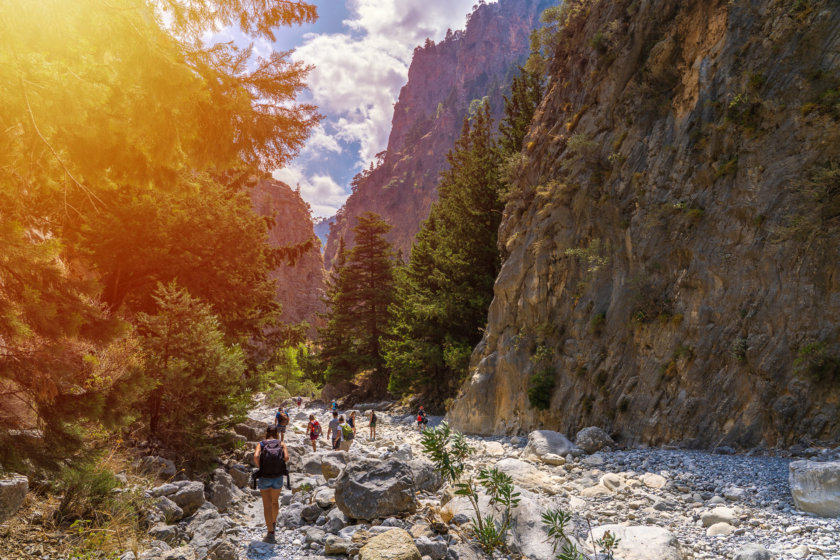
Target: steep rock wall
column 442, row 81
column 299, row 287
column 671, row 253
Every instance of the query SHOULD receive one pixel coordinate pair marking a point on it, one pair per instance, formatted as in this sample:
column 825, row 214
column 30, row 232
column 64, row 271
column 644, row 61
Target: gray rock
column 369, row 489
column 404, row 453
column 205, row 527
column 181, row 553
column 253, row 431
column 315, row 535
column 189, row 497
column 311, row 463
column 240, row 475
column 333, row 463
column 528, row 536
column 336, row 521
column 165, row 489
column 434, row 549
column 593, row 439
column 426, row 477
column 169, row 509
column 335, row 545
column 753, row 552
column 310, row 513
column 464, row 551
column 223, row 549
column 158, row 466
column 325, row 497
column 815, row 487
column 719, row 515
column 12, row 494
column 642, row 542
column 290, row 516
column 223, row 491
column 544, row 442
column 128, row 556
column 166, row 533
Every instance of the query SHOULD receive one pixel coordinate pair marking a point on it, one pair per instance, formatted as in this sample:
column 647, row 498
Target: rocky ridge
column 443, row 80
column 670, row 250
column 299, row 287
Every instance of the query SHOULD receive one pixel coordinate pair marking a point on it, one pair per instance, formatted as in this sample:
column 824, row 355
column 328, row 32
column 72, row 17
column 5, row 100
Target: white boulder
column 642, row 542
column 816, row 487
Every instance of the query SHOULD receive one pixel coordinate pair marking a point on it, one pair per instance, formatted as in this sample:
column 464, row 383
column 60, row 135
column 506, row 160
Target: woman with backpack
column 372, row 425
column 348, row 431
column 422, row 421
column 271, row 457
column 313, row 430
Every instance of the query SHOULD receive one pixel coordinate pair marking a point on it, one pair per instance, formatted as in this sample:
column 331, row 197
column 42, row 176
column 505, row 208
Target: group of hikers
column 271, row 455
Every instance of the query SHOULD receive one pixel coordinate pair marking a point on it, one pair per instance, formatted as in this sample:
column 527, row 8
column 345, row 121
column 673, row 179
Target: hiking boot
column 288, row 483
column 269, row 538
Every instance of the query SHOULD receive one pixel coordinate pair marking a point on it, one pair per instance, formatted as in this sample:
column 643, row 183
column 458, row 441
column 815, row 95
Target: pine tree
column 446, row 288
column 359, row 294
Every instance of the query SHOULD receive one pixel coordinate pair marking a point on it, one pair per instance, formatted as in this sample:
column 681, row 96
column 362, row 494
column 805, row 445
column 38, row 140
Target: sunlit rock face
column 299, row 287
column 670, row 251
column 442, row 81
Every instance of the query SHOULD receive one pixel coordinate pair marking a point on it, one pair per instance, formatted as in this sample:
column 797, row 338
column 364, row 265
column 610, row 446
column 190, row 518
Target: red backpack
column 316, row 428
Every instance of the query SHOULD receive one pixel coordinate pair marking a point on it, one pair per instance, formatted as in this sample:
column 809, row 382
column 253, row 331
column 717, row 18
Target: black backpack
column 272, row 464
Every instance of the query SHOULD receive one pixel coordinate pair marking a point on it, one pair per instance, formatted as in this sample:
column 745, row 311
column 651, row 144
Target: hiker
column 348, row 431
column 313, row 430
column 372, row 425
column 334, row 432
column 334, row 406
column 281, row 420
column 422, row 421
column 271, row 457
column 299, row 402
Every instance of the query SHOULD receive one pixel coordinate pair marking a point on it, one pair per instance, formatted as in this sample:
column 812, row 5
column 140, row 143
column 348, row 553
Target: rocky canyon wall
column 671, row 251
column 299, row 287
column 442, row 81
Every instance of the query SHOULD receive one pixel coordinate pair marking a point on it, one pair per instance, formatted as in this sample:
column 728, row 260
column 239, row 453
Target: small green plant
column 557, row 524
column 541, row 386
column 744, row 111
column 448, row 450
column 597, row 322
column 730, row 167
column 86, row 487
column 738, row 349
column 593, row 256
column 815, row 361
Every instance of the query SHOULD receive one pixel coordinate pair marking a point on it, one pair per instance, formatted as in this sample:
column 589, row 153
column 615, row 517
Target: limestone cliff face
column 299, row 287
column 671, row 252
column 442, row 81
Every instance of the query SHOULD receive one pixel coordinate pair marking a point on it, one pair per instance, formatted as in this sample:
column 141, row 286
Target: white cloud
column 358, row 75
column 323, row 194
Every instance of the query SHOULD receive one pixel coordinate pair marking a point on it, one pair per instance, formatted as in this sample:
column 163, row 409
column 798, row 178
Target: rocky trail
column 662, row 503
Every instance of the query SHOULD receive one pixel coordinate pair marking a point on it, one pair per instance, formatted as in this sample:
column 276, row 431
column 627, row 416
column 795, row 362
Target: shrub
column 738, row 349
column 85, row 487
column 597, row 322
column 555, row 522
column 744, row 111
column 814, row 360
column 541, row 387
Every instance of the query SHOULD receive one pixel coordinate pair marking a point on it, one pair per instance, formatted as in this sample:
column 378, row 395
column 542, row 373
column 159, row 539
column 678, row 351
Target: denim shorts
column 275, row 483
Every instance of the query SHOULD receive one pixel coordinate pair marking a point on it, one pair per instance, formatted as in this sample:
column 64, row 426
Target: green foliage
column 85, row 488
column 593, row 256
column 744, row 111
column 541, row 386
column 359, row 294
column 728, row 168
column 557, row 524
column 738, row 349
column 195, row 377
column 448, row 450
column 597, row 322
column 527, row 91
column 816, row 361
column 290, row 376
column 820, row 210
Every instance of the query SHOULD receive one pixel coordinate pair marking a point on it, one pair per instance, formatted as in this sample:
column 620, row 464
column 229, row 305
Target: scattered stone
column 180, row 553
column 253, row 432
column 169, row 509
column 523, row 473
column 395, row 544
column 223, row 549
column 12, row 494
column 642, row 542
column 815, row 487
column 333, row 463
column 753, row 552
column 223, row 491
column 336, row 521
column 240, row 475
column 336, row 545
column 370, row 489
column 543, row 442
column 652, row 480
column 189, row 497
column 593, row 439
column 434, row 549
column 720, row 529
column 494, row 449
column 166, row 533
column 719, row 515
column 426, row 477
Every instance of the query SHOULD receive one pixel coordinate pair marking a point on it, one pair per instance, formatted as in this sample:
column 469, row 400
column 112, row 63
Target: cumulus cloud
column 358, row 75
column 323, row 194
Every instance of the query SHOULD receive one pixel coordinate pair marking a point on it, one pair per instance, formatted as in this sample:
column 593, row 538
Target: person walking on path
column 313, row 430
column 281, row 421
column 372, row 425
column 348, row 432
column 334, row 431
column 271, row 457
column 334, row 406
column 299, row 402
column 422, row 421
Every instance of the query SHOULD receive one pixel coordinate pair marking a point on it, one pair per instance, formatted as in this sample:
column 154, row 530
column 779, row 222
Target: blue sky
column 361, row 50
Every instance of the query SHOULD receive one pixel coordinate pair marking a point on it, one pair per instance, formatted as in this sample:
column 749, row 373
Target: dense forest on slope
column 670, row 248
column 444, row 80
column 135, row 276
